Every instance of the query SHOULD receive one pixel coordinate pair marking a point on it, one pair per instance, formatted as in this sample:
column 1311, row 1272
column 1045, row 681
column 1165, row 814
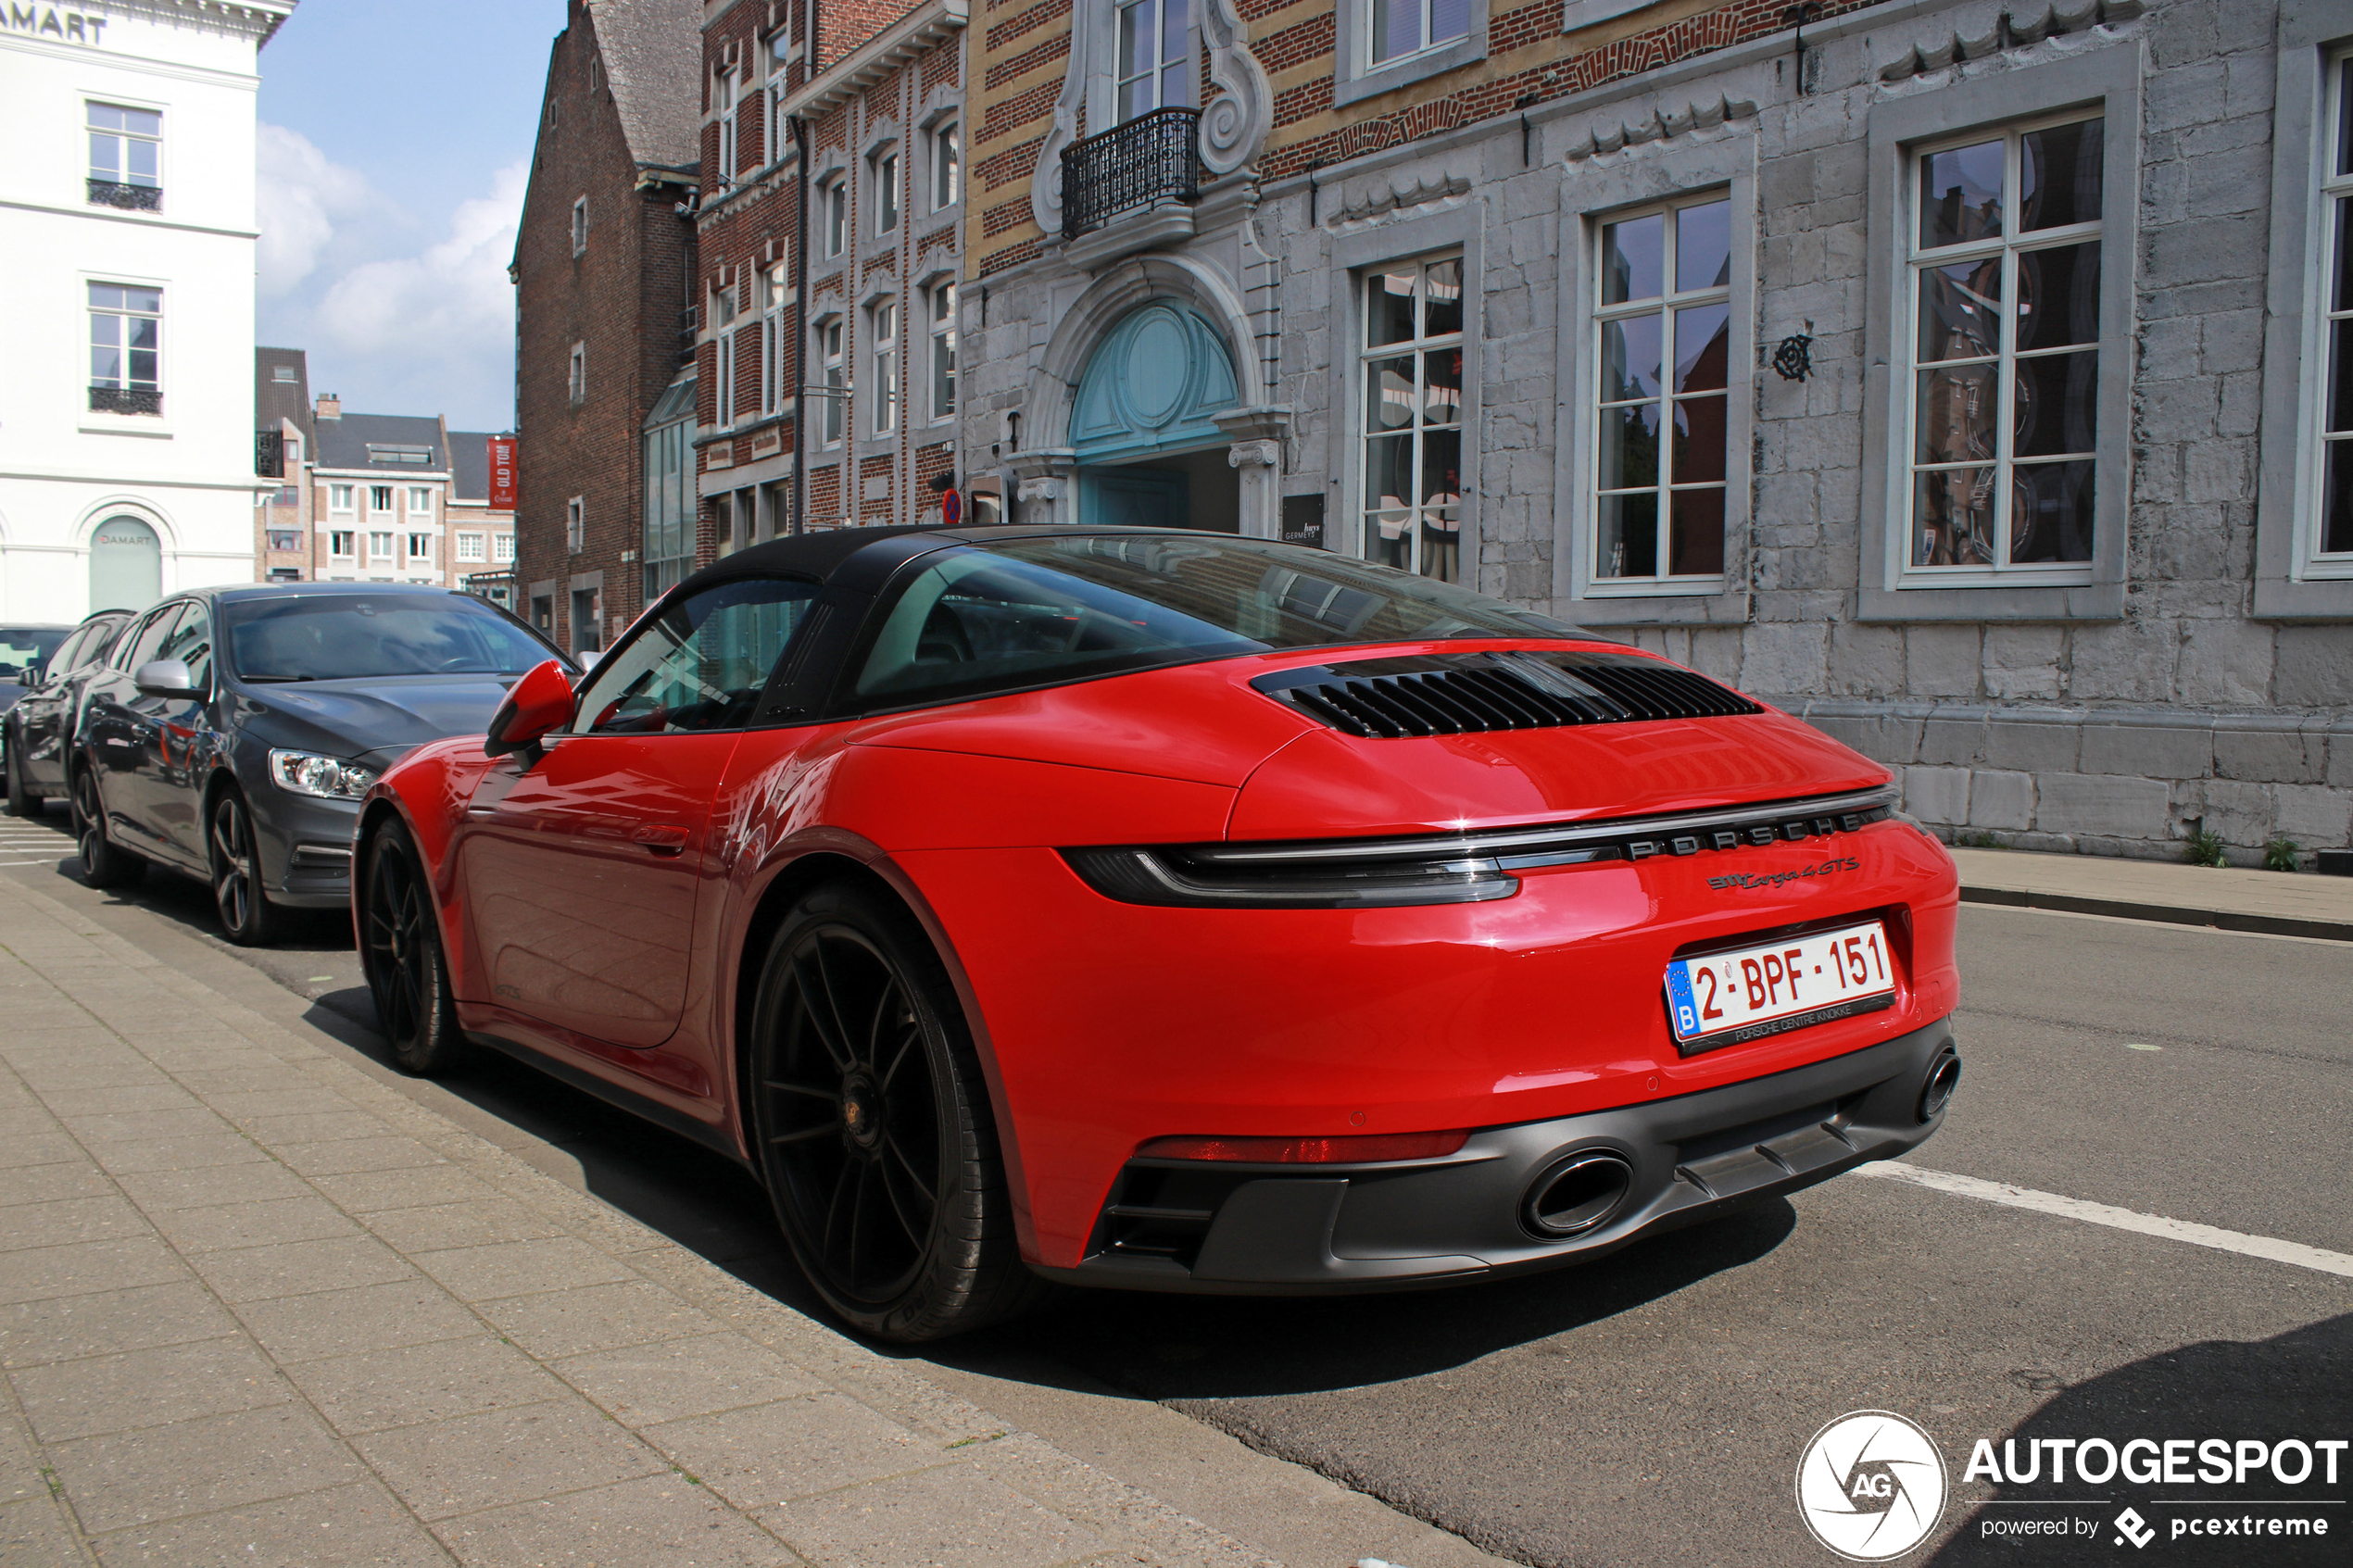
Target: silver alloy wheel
column 88, row 831
column 232, row 884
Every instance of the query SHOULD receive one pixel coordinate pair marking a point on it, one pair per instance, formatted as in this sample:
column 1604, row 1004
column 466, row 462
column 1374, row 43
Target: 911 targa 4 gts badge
column 1774, row 879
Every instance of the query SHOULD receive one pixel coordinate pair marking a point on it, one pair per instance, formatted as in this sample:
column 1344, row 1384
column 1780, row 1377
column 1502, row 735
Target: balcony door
column 1155, row 59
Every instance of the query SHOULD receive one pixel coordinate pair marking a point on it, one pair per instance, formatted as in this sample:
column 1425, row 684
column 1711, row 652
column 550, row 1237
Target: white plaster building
column 127, row 224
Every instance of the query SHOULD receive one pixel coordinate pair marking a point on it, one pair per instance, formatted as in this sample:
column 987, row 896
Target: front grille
column 1455, row 693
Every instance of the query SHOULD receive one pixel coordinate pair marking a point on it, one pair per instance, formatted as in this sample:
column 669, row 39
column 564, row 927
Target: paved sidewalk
column 257, row 1307
column 2282, row 903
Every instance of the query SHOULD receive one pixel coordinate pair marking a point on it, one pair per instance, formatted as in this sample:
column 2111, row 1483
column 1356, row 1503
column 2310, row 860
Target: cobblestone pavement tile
column 178, row 1154
column 953, row 1517
column 151, row 1387
column 64, row 1221
column 63, row 1328
column 345, row 1155
column 315, row 1128
column 477, row 1461
column 359, row 1525
column 159, row 1191
column 42, row 1149
column 367, row 1317
column 476, row 1222
column 363, row 1192
column 228, row 1226
column 46, row 1184
column 380, row 1389
column 596, row 1317
column 143, row 1126
column 126, row 1478
column 298, row 1268
column 33, row 1533
column 39, row 1272
column 676, row 1378
column 771, row 1454
column 519, row 1268
column 658, row 1522
column 117, row 1100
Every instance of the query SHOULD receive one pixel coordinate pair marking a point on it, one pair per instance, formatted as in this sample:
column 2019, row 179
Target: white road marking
column 2278, row 1251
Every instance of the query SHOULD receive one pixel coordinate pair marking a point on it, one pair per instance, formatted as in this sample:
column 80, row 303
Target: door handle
column 660, row 838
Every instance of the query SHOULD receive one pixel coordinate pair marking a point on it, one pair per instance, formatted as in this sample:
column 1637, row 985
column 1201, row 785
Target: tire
column 247, row 918
column 104, row 863
column 22, row 801
column 871, row 1125
column 400, row 952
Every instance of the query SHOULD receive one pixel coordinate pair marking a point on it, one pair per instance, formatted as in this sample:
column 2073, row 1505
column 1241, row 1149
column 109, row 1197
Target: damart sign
column 1871, row 1486
column 51, row 22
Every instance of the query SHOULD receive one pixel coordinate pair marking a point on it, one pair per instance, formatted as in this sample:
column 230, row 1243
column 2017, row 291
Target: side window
column 140, row 648
column 70, row 652
column 191, row 643
column 703, row 665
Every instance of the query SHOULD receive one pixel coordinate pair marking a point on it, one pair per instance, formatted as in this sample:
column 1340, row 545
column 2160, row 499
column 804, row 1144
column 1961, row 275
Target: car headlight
column 330, row 778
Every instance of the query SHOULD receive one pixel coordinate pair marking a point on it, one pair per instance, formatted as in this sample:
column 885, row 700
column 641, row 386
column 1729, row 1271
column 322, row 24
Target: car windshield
column 350, row 636
column 1030, row 612
column 21, row 647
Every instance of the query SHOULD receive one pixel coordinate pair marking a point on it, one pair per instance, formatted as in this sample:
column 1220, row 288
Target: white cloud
column 452, row 302
column 303, row 196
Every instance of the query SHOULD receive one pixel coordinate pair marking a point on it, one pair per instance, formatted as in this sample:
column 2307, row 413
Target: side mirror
column 165, row 677
column 540, row 702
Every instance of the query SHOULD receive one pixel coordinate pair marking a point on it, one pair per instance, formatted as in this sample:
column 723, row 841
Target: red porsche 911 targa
column 1169, row 910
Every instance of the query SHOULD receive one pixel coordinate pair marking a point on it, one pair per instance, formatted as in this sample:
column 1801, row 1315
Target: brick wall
column 622, row 300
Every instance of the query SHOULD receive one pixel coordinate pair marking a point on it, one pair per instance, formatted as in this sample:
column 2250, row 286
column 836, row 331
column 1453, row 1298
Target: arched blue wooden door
column 1149, row 390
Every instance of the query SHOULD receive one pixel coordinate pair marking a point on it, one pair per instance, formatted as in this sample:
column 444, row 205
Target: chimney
column 330, row 405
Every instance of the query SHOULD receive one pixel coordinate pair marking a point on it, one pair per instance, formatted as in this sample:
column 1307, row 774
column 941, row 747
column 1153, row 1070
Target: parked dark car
column 37, row 734
column 233, row 730
column 23, row 649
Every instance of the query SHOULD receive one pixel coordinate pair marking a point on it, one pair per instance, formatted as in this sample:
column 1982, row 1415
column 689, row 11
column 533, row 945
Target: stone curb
column 2219, row 920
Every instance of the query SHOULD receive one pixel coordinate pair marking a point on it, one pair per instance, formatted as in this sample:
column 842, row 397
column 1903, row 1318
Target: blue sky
column 395, row 137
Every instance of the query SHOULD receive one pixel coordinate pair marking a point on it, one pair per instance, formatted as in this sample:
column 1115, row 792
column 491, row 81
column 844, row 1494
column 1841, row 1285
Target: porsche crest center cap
column 1870, row 1485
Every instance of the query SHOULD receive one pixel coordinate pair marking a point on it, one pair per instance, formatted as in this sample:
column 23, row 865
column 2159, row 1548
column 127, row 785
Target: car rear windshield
column 21, row 647
column 351, row 636
column 1033, row 612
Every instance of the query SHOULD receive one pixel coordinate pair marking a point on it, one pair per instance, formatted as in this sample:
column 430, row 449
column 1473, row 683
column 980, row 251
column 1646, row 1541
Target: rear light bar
column 1355, row 1149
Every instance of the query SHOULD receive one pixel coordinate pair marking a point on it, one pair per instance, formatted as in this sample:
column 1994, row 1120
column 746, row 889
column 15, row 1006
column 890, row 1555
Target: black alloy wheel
column 400, row 952
column 873, row 1126
column 104, row 863
column 247, row 916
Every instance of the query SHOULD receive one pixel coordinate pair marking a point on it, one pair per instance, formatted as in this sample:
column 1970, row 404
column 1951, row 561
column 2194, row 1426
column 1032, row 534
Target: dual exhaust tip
column 1580, row 1192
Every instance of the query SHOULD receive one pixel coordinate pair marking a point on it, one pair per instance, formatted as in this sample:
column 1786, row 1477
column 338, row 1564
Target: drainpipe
column 800, row 326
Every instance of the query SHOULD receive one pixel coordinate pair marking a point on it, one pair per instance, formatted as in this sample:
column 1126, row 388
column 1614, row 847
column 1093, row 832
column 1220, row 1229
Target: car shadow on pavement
column 1187, row 1347
column 2295, row 1385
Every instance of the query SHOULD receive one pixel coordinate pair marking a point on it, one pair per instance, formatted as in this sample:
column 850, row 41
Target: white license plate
column 1745, row 994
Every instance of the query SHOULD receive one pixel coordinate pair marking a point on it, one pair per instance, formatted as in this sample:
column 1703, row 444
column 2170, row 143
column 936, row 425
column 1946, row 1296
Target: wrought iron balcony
column 125, row 400
column 138, row 198
column 1154, row 158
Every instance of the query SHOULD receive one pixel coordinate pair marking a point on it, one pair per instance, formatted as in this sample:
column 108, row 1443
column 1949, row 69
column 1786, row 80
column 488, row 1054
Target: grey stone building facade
column 1959, row 378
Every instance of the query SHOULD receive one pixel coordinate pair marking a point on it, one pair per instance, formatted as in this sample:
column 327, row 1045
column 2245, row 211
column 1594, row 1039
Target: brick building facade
column 603, row 271
column 1951, row 374
column 828, row 245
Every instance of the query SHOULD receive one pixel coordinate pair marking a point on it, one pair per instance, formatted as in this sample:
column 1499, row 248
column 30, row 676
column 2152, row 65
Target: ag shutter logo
column 1870, row 1485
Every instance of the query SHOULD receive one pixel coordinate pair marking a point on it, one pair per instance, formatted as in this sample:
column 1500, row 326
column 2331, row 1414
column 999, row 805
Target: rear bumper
column 1217, row 1228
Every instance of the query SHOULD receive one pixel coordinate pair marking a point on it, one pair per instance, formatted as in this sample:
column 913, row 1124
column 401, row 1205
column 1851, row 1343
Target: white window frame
column 380, row 546
column 725, row 93
column 941, row 309
column 776, row 48
column 2006, row 249
column 885, row 173
column 421, row 501
column 833, row 341
column 1592, row 412
column 342, row 497
column 472, row 547
column 1356, row 76
column 344, row 543
column 124, row 138
column 834, row 213
column 947, row 164
column 580, row 226
column 502, row 548
column 883, row 331
column 2316, row 562
column 420, row 547
column 775, row 295
column 380, row 499
column 576, row 375
column 1361, row 436
column 119, row 318
column 2102, row 80
column 576, row 525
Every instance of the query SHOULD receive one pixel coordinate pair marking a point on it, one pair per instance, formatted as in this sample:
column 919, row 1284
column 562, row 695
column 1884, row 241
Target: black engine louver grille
column 1471, row 693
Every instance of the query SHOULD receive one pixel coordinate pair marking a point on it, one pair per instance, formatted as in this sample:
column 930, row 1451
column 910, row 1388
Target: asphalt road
column 1652, row 1409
